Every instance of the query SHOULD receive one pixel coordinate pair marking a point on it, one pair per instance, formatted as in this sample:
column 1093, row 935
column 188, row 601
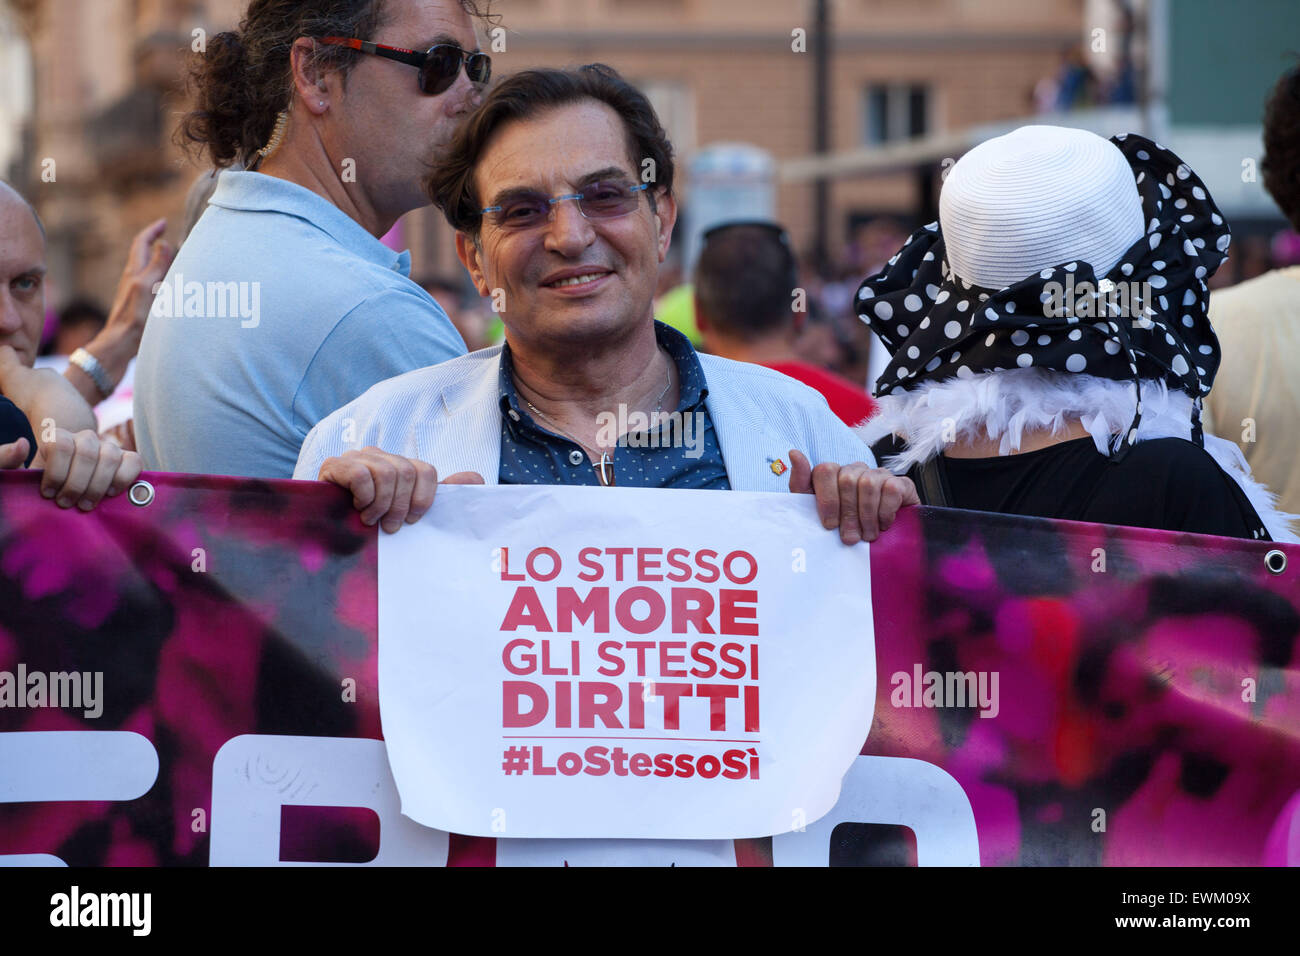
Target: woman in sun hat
column 1049, row 341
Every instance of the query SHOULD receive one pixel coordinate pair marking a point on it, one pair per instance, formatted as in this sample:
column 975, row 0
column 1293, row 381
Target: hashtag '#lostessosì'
column 516, row 760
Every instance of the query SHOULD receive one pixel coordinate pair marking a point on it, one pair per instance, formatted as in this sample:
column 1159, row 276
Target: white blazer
column 449, row 416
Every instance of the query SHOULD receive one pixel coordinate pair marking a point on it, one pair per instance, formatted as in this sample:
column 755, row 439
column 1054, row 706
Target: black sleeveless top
column 1168, row 484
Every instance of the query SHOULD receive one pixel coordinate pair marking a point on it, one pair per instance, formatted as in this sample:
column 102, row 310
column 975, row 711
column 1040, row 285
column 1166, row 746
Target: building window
column 894, row 111
column 674, row 101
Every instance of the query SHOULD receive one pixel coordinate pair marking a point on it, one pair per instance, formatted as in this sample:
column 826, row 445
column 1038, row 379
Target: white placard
column 565, row 662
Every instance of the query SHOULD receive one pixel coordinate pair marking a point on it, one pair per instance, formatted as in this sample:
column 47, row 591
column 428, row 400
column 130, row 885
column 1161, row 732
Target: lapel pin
column 778, row 466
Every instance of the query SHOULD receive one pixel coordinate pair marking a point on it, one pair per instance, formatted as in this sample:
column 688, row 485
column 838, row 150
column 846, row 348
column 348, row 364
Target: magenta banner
column 193, row 682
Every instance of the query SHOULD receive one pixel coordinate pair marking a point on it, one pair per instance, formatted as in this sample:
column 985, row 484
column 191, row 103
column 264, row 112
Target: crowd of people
column 1050, row 343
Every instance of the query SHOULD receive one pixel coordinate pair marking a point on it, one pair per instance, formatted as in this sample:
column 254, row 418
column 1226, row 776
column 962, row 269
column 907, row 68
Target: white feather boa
column 1004, row 405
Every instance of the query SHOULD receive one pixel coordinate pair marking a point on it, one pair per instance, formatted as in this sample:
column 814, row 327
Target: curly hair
column 243, row 80
column 526, row 95
column 1281, row 162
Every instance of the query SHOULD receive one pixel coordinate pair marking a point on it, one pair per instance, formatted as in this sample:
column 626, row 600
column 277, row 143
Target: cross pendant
column 606, row 479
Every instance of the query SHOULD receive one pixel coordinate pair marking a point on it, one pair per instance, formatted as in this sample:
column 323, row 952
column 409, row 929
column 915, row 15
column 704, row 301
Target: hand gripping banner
column 195, row 681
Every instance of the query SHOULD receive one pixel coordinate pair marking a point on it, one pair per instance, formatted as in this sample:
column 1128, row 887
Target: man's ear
column 703, row 327
column 666, row 213
column 701, row 319
column 471, row 257
column 312, row 84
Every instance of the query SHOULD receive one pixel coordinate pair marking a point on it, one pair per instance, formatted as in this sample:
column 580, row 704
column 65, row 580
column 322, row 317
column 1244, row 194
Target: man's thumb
column 910, row 496
column 464, row 478
column 800, row 473
column 13, row 454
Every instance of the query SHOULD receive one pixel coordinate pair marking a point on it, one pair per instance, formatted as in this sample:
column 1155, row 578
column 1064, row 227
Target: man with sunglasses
column 283, row 304
column 560, row 189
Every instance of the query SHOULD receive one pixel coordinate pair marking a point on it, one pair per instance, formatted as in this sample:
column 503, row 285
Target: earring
column 277, row 135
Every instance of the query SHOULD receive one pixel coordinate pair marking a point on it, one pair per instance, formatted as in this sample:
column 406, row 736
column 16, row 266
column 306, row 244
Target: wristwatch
column 90, row 365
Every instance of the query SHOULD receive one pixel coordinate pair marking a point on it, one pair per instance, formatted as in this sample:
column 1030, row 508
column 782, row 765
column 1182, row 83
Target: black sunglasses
column 439, row 65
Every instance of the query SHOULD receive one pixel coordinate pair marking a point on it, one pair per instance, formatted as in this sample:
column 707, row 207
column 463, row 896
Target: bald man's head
column 22, row 275
column 7, row 191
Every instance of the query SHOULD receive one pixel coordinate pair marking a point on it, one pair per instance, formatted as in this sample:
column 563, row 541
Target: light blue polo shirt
column 278, row 309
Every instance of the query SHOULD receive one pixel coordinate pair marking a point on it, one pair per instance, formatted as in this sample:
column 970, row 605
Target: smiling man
column 560, row 189
column 283, row 303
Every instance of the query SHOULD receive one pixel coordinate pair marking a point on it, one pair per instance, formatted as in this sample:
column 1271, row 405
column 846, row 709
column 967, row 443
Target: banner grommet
column 141, row 494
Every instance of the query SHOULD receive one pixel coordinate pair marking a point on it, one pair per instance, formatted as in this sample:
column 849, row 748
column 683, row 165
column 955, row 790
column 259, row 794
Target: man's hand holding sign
column 614, row 660
column 859, row 500
column 389, row 490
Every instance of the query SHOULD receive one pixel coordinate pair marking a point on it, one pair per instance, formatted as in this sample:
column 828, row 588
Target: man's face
column 556, row 154
column 22, row 277
column 391, row 130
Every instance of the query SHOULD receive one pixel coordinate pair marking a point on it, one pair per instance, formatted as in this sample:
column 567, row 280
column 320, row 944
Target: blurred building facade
column 15, row 91
column 744, row 71
column 107, row 80
column 108, row 90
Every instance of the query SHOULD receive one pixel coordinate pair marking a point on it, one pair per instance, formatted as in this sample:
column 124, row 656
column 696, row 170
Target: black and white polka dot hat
column 1063, row 251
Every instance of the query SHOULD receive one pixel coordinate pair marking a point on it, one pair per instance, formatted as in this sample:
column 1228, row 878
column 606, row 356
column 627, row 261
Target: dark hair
column 82, row 312
column 443, row 282
column 243, row 81
column 744, row 278
column 1281, row 163
column 527, row 95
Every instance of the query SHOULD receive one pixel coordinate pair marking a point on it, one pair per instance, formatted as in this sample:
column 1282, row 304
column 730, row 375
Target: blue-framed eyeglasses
column 601, row 200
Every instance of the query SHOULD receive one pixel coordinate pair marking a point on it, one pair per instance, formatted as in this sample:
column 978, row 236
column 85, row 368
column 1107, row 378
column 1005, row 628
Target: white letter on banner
column 899, row 791
column 58, row 765
column 615, row 852
column 254, row 775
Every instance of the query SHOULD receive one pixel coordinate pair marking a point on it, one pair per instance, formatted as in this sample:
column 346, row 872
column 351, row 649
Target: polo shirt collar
column 257, row 192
